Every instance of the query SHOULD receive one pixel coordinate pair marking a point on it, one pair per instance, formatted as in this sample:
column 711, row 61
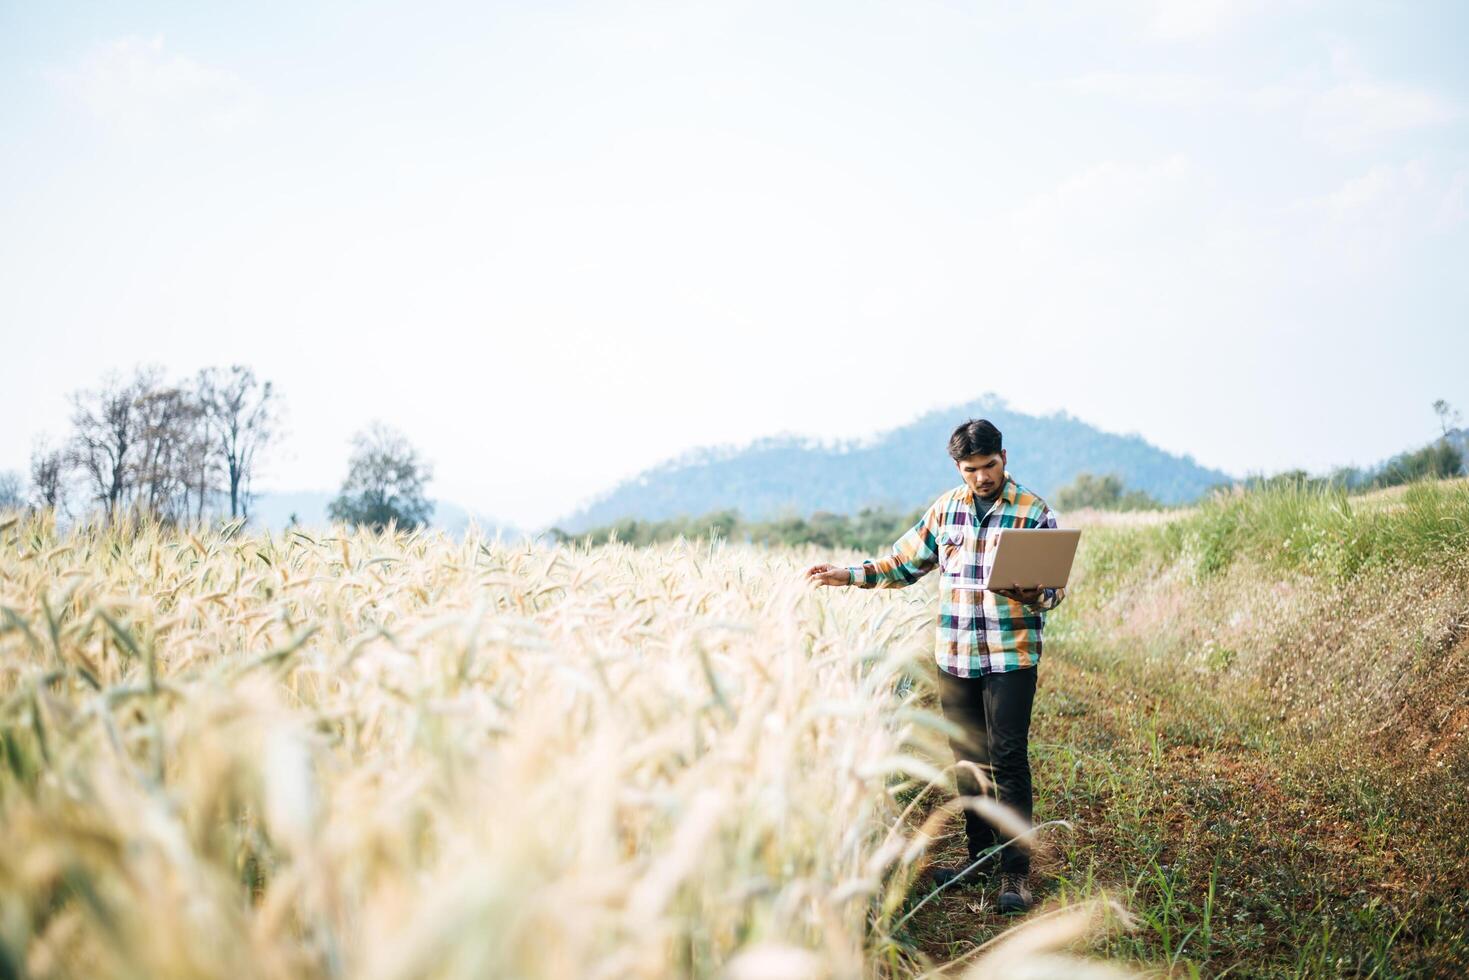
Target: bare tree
column 48, row 472
column 202, row 465
column 241, row 411
column 166, row 449
column 1448, row 416
column 10, row 495
column 163, row 466
column 105, row 439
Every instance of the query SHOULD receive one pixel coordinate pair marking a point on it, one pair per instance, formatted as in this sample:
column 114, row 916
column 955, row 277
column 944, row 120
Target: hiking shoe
column 943, row 874
column 1014, row 892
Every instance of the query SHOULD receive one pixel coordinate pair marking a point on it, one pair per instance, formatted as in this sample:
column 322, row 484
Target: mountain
column 901, row 469
column 274, row 510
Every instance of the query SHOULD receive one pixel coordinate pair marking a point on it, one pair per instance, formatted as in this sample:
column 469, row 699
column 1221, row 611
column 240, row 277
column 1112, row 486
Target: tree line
column 1440, row 459
column 870, row 529
column 170, row 449
column 875, row 529
column 178, row 450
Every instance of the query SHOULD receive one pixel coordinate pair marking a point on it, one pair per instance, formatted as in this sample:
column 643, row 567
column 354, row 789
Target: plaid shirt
column 979, row 632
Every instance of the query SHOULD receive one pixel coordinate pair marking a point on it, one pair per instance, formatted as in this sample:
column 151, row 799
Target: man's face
column 984, row 474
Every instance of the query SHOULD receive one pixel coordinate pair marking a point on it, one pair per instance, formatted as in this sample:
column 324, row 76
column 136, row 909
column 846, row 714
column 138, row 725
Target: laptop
column 1027, row 557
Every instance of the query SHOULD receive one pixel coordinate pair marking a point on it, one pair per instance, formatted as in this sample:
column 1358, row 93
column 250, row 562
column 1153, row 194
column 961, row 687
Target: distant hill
column 901, row 469
column 274, row 510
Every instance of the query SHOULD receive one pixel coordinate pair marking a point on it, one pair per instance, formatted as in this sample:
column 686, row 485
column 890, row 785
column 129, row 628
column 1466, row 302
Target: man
column 988, row 640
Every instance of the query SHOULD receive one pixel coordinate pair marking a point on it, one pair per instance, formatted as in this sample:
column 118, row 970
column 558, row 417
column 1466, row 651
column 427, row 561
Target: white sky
column 556, row 243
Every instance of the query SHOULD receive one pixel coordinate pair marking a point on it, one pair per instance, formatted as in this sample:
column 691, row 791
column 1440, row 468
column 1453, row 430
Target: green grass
column 1319, row 530
column 1238, row 844
column 1240, row 853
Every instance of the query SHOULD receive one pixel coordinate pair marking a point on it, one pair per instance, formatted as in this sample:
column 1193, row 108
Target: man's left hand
column 1028, row 596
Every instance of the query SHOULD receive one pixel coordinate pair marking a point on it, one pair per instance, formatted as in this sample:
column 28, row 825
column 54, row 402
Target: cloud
column 134, row 84
column 1179, row 20
column 1341, row 107
column 1156, row 88
column 1354, row 111
column 1104, row 208
column 1390, row 203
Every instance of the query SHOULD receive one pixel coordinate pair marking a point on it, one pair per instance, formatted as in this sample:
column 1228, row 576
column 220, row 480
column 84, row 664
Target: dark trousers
column 993, row 711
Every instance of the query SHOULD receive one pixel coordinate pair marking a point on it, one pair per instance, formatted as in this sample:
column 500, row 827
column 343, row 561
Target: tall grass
column 1318, row 529
column 1292, row 662
column 398, row 755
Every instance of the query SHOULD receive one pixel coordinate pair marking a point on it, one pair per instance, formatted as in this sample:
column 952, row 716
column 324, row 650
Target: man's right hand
column 819, row 575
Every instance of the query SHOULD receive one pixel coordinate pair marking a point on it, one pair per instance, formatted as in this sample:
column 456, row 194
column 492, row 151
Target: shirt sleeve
column 914, row 555
column 1050, row 598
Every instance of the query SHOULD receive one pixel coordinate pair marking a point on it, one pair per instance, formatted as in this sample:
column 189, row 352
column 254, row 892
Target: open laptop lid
column 1027, row 557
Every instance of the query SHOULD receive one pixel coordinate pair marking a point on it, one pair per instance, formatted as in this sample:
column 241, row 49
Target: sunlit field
column 231, row 754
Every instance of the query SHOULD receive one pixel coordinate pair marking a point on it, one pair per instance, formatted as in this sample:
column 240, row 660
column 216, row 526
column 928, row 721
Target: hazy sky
column 556, row 243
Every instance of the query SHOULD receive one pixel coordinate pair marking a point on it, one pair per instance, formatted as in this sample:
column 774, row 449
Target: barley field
column 232, row 754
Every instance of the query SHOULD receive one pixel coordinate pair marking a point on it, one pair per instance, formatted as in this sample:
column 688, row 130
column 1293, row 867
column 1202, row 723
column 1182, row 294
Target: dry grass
column 399, row 755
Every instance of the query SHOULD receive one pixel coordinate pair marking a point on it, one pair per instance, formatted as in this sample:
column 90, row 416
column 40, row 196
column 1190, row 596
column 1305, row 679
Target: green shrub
column 1435, row 461
column 1318, row 528
column 1104, row 492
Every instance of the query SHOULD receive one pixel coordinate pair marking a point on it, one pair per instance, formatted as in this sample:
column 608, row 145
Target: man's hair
column 977, row 437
